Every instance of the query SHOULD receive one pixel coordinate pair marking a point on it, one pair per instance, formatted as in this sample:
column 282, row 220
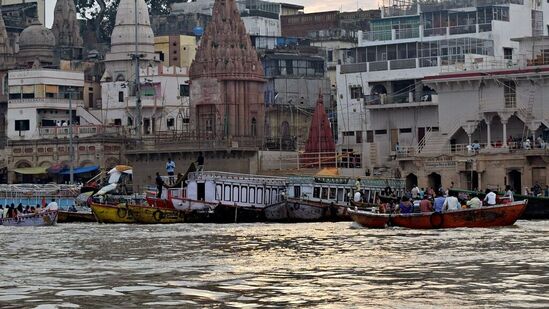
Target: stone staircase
column 87, row 116
column 437, row 144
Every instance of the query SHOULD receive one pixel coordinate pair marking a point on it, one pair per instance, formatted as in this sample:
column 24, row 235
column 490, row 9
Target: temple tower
column 67, row 31
column 227, row 80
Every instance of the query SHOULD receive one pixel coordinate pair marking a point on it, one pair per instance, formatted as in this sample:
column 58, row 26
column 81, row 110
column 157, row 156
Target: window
column 267, row 196
column 380, row 132
column 259, row 195
column 118, row 122
column 356, row 92
column 254, row 127
column 369, row 136
column 184, row 90
column 330, row 56
column 218, row 192
column 332, row 194
column 227, row 195
column 324, row 193
column 297, row 191
column 244, row 194
column 251, row 193
column 170, row 122
column 130, row 121
column 359, row 137
column 236, row 191
column 120, row 96
column 22, row 125
column 349, row 133
column 507, row 53
column 316, row 192
column 510, row 93
column 405, row 130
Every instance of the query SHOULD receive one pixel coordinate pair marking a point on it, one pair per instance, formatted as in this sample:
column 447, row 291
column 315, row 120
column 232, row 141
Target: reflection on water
column 327, row 265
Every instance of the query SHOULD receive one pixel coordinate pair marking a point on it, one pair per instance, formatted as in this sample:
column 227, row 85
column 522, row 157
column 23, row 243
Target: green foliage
column 102, row 13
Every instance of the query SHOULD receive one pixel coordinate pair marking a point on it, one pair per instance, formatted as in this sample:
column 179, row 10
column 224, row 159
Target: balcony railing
column 80, row 131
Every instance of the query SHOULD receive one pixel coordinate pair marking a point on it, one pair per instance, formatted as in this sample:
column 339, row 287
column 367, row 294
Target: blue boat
column 46, row 218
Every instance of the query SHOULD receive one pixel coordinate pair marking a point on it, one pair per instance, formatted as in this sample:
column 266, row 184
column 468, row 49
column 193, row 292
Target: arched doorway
column 435, row 181
column 515, row 180
column 411, row 181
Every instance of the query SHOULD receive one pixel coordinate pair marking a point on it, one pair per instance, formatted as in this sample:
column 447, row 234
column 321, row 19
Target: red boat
column 491, row 216
column 370, row 219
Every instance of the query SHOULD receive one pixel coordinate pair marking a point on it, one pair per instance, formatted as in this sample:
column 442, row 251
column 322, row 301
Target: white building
column 382, row 99
column 165, row 101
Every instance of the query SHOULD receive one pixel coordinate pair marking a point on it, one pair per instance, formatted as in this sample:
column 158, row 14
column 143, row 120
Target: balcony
column 80, row 131
column 50, row 103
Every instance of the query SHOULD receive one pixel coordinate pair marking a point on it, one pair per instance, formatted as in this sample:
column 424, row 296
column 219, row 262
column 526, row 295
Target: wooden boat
column 491, row 216
column 537, row 209
column 46, row 218
column 75, row 216
column 370, row 219
column 300, row 210
column 108, row 213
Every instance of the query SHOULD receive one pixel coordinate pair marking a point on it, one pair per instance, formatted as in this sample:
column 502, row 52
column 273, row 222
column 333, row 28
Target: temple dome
column 36, row 36
column 123, row 34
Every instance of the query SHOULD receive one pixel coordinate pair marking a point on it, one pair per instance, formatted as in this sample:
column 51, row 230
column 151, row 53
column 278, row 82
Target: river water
column 318, row 265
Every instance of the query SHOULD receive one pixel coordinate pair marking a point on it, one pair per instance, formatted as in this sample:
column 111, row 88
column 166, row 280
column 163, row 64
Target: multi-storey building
column 383, row 101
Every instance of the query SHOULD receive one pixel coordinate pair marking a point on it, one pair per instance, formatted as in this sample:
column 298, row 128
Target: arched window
column 510, row 93
column 254, row 127
column 285, row 129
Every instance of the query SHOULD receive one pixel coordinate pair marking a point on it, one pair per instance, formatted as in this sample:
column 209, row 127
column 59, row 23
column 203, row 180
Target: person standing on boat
column 170, row 169
column 159, row 185
column 415, row 192
column 509, row 194
column 52, row 205
column 490, row 198
column 425, row 205
column 357, row 185
column 200, row 162
column 1, row 212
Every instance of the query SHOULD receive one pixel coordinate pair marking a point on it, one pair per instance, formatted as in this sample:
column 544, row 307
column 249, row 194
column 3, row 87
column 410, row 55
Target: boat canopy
column 80, row 170
column 31, row 170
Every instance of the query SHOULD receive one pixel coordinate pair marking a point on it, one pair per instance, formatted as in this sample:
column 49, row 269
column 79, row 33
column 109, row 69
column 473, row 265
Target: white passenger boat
column 45, row 218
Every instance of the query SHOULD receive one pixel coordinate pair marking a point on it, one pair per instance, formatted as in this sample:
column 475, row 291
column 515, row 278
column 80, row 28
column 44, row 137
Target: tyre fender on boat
column 296, row 206
column 436, row 220
column 158, row 215
column 122, row 212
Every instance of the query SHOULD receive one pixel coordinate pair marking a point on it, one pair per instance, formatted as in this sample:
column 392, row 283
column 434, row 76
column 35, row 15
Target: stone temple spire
column 226, row 51
column 65, row 25
column 118, row 63
column 5, row 46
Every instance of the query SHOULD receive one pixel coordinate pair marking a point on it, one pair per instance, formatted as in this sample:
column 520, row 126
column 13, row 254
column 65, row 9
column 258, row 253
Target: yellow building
column 176, row 50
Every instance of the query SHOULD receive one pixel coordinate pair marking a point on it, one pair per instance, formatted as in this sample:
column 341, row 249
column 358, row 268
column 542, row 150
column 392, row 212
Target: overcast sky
column 310, row 6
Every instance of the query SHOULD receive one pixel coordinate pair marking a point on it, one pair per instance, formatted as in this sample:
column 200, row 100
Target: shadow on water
column 331, row 265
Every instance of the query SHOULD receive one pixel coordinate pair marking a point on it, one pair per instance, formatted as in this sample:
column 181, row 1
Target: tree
column 102, row 13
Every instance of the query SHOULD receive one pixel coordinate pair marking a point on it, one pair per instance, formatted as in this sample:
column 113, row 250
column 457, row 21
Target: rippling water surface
column 324, row 265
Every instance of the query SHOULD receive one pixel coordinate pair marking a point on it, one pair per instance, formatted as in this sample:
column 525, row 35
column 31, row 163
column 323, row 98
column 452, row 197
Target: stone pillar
column 504, row 116
column 488, row 119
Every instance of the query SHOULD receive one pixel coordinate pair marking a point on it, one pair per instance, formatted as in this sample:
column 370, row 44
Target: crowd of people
column 426, row 201
column 12, row 211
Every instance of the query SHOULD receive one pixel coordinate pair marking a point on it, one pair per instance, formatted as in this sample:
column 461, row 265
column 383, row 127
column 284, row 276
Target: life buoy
column 296, row 206
column 436, row 220
column 122, row 212
column 158, row 215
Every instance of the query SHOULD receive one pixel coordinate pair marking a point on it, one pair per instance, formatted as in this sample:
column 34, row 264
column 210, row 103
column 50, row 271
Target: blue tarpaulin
column 80, row 170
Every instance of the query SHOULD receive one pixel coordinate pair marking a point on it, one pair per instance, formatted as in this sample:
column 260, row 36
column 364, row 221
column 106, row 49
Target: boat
column 491, row 216
column 326, row 198
column 537, row 209
column 229, row 197
column 75, row 216
column 370, row 219
column 112, row 213
column 45, row 218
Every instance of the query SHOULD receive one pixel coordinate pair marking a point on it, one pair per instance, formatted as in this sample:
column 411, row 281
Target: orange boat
column 370, row 219
column 491, row 216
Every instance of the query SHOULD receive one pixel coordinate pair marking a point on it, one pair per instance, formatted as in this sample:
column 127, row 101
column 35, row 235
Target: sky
column 310, row 6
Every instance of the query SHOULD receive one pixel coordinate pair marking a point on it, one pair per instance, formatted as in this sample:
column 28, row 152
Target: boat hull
column 493, row 216
column 311, row 211
column 370, row 219
column 112, row 214
column 233, row 214
column 277, row 212
column 537, row 209
column 153, row 215
column 47, row 218
column 72, row 217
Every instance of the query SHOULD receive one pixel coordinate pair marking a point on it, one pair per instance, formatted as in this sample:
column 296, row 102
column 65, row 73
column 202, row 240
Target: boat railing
column 215, row 175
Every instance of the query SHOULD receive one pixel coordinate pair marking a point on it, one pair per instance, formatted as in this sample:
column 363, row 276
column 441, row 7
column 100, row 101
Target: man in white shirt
column 451, row 204
column 415, row 192
column 357, row 197
column 490, row 198
column 52, row 206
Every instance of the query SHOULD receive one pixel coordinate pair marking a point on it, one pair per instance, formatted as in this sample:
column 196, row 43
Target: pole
column 71, row 148
column 137, row 80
